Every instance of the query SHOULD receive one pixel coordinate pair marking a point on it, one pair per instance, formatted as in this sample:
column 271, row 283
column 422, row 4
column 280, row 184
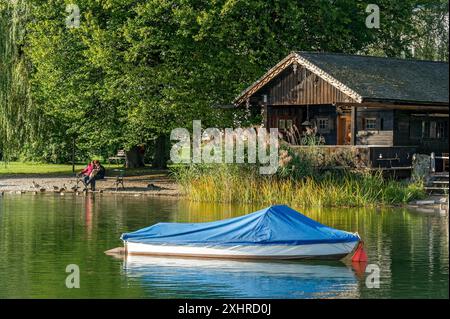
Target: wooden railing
column 444, row 157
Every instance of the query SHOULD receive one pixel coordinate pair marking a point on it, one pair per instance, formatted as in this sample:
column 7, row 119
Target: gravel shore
column 148, row 184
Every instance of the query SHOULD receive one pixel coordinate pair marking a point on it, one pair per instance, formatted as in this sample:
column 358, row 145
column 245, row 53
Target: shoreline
column 156, row 184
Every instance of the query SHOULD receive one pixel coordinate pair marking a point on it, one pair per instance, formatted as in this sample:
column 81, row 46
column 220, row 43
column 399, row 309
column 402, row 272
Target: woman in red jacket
column 86, row 172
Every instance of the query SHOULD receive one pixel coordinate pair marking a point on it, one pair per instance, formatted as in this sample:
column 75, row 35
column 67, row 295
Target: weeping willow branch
column 17, row 117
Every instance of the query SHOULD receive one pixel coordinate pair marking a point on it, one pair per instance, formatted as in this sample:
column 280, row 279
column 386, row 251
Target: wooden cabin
column 391, row 108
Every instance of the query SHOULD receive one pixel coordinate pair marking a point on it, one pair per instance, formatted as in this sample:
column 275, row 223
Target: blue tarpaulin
column 278, row 224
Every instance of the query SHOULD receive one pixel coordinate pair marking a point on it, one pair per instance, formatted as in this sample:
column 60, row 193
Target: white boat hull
column 312, row 251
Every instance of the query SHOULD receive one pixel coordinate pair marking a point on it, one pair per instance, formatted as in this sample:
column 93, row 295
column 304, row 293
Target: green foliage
column 302, row 180
column 18, row 117
column 136, row 69
column 296, row 165
column 430, row 41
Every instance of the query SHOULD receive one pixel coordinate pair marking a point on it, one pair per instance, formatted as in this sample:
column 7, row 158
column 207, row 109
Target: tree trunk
column 161, row 155
column 134, row 157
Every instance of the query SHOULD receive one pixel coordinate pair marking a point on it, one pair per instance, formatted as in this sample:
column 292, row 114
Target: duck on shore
column 35, row 185
column 153, row 187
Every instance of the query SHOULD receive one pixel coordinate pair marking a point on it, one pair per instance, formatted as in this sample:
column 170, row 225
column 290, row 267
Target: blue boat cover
column 273, row 225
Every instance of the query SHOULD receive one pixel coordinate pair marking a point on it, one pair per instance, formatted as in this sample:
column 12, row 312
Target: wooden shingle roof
column 369, row 78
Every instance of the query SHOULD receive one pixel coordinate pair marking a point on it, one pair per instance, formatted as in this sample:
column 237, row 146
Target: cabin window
column 285, row 124
column 416, row 129
column 425, row 129
column 323, row 124
column 432, row 129
column 441, row 130
column 371, row 124
column 288, row 124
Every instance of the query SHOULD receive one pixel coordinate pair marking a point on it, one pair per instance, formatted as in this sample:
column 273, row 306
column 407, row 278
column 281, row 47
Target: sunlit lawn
column 13, row 168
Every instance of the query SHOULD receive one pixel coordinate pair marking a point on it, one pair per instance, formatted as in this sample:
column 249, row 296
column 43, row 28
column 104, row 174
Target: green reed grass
column 242, row 184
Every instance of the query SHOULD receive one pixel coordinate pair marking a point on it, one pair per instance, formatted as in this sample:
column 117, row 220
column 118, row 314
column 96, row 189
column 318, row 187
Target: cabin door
column 344, row 130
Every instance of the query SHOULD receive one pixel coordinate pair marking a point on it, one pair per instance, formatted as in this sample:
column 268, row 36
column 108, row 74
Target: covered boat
column 276, row 232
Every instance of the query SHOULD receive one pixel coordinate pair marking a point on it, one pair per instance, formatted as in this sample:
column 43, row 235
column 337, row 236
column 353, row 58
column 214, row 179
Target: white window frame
column 366, row 120
column 326, row 129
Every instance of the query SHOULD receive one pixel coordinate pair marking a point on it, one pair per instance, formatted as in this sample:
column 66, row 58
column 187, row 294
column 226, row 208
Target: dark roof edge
column 404, row 102
column 371, row 56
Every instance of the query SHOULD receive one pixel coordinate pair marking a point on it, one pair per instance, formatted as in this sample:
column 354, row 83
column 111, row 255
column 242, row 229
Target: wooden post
column 354, row 129
column 433, row 163
column 73, row 154
column 264, row 114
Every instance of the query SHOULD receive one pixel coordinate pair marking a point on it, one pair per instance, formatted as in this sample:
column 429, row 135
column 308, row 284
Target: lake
column 41, row 234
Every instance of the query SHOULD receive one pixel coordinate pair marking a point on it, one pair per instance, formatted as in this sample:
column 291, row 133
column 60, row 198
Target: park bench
column 118, row 158
column 117, row 177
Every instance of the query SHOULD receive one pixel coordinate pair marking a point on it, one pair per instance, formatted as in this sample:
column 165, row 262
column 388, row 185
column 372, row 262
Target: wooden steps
column 435, row 188
column 438, row 183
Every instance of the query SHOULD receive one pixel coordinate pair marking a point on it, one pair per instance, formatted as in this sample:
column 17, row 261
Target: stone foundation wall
column 421, row 167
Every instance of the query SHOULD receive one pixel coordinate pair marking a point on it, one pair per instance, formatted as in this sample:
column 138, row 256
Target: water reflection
column 185, row 277
column 41, row 234
column 88, row 212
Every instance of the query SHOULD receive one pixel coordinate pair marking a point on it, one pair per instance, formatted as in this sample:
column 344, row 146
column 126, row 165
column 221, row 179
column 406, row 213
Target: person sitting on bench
column 98, row 172
column 86, row 171
column 94, row 171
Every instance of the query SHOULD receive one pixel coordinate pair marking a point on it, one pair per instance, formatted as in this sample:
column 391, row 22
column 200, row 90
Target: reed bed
column 242, row 184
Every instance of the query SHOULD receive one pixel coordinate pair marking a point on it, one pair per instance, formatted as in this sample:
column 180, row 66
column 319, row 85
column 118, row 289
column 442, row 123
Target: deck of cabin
column 393, row 161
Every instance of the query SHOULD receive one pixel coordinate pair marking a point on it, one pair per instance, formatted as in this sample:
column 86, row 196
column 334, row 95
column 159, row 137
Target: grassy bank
column 12, row 168
column 234, row 184
column 32, row 168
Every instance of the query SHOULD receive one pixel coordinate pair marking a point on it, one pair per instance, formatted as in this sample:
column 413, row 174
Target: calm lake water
column 41, row 234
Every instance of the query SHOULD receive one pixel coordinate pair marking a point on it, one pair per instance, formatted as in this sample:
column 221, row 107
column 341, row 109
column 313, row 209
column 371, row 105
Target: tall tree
column 135, row 69
column 430, row 41
column 18, row 119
